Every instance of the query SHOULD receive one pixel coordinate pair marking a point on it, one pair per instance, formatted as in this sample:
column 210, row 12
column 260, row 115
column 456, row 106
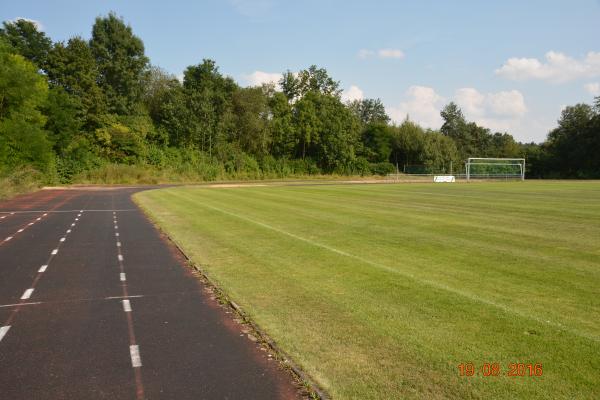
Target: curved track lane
column 94, row 304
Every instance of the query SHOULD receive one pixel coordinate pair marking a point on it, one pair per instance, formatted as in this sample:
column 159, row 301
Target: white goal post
column 478, row 167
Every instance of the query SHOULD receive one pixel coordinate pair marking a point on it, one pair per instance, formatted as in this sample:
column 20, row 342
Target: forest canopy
column 93, row 110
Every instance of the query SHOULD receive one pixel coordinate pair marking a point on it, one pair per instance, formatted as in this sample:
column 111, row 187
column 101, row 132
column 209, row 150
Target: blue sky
column 511, row 65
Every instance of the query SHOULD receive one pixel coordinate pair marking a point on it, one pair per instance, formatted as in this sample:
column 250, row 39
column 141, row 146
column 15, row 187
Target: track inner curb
column 301, row 377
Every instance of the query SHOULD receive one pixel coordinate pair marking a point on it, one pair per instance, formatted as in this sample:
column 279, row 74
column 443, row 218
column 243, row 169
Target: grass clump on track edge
column 381, row 291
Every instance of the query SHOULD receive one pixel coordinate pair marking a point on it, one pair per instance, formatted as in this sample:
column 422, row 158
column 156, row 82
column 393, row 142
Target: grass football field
column 382, row 291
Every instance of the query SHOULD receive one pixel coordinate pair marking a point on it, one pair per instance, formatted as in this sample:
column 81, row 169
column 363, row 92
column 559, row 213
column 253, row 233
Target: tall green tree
column 157, row 85
column 250, row 121
column 208, row 99
column 313, row 79
column 73, row 67
column 163, row 92
column 377, row 139
column 369, row 111
column 281, row 125
column 290, row 85
column 64, row 118
column 27, row 40
column 307, row 123
column 456, row 127
column 418, row 151
column 23, row 92
column 440, row 153
column 407, row 145
column 575, row 144
column 328, row 131
column 173, row 116
column 121, row 63
column 504, row 145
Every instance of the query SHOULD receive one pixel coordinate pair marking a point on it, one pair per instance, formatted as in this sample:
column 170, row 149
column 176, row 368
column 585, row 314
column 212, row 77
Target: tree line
column 71, row 109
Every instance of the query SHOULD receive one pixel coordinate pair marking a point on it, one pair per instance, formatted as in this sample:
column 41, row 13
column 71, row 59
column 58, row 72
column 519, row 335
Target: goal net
column 495, row 168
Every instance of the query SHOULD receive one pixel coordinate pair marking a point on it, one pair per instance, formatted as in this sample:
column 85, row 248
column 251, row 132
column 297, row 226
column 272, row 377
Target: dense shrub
column 382, row 168
column 20, row 181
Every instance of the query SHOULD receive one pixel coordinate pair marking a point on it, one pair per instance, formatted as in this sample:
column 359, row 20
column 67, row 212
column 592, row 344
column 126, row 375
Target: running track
column 94, row 304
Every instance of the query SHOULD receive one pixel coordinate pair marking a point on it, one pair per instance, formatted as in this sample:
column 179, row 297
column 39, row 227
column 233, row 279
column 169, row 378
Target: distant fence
column 427, row 177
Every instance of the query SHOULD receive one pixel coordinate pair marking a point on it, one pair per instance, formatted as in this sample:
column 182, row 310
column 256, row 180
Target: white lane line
column 19, row 304
column 4, row 331
column 8, row 238
column 20, row 230
column 135, row 296
column 120, row 257
column 134, row 351
column 116, row 227
column 2, row 217
column 80, row 211
column 62, row 239
column 39, row 219
column 33, row 303
column 29, row 224
column 126, row 306
column 27, row 294
column 45, row 214
column 43, row 268
column 54, row 252
column 118, row 244
column 122, row 277
column 117, row 234
column 68, row 231
column 76, row 219
column 73, row 224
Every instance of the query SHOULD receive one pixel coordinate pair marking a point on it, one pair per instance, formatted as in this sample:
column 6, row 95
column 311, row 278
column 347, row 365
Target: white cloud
column 592, row 88
column 506, row 104
column 381, row 53
column 422, row 105
column 39, row 26
column 390, row 53
column 257, row 78
column 501, row 111
column 470, row 100
column 557, row 67
column 353, row 93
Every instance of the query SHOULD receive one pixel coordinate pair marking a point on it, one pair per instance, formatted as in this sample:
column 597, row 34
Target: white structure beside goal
column 444, row 178
column 495, row 168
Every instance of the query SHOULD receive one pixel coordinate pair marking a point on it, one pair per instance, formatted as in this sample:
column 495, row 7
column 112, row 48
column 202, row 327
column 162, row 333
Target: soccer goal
column 495, row 168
